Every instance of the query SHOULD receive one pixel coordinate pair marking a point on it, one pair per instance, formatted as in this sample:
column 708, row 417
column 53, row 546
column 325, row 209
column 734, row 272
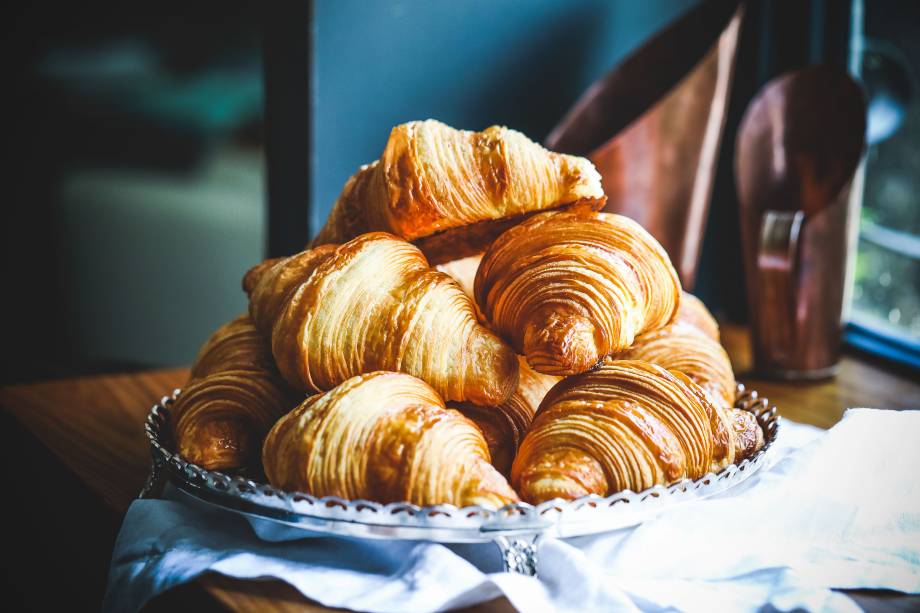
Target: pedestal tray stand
column 515, row 528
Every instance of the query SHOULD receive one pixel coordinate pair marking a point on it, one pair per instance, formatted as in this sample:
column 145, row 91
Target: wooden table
column 93, row 425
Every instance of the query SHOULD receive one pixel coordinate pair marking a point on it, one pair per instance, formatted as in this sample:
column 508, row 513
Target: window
column 885, row 311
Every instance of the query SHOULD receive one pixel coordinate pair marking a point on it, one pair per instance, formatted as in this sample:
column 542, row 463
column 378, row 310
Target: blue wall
column 469, row 63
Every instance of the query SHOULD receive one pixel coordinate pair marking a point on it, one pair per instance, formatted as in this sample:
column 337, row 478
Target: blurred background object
column 798, row 147
column 137, row 202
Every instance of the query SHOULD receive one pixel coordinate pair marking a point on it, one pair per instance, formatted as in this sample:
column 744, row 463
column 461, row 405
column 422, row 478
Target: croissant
column 386, row 437
column 693, row 312
column 624, row 425
column 683, row 347
column 236, row 345
column 568, row 288
column 748, row 434
column 374, row 304
column 504, row 426
column 233, row 397
column 453, row 191
column 691, row 346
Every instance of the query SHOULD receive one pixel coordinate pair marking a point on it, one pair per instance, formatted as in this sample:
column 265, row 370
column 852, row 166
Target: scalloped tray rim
column 445, row 522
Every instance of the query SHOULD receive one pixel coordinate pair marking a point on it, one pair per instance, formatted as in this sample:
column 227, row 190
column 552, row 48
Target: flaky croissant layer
column 386, row 437
column 693, row 312
column 374, row 304
column 234, row 396
column 568, row 288
column 624, row 425
column 432, row 178
column 691, row 346
column 504, row 426
column 686, row 348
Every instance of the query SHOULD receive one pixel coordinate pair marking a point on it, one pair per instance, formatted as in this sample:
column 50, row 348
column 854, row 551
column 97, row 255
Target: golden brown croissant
column 385, row 437
column 693, row 312
column 691, row 346
column 504, row 426
column 748, row 434
column 468, row 186
column 568, row 288
column 624, row 425
column 236, row 345
column 686, row 348
column 232, row 399
column 374, row 304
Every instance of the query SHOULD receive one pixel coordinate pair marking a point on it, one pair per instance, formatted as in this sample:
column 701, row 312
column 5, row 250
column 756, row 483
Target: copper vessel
column 798, row 147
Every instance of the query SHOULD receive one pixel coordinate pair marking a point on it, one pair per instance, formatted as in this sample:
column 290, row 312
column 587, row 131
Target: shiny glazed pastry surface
column 568, row 288
column 685, row 348
column 386, row 437
column 625, row 425
column 374, row 304
column 234, row 396
column 504, row 426
column 693, row 312
column 691, row 346
column 433, row 178
column 748, row 434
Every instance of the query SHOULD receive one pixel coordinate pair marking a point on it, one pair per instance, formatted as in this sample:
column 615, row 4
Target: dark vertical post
column 287, row 42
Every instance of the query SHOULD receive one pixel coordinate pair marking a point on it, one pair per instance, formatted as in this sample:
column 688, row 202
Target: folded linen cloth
column 834, row 510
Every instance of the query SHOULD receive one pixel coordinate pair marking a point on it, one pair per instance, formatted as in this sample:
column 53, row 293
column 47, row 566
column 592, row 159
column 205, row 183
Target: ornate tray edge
column 444, row 522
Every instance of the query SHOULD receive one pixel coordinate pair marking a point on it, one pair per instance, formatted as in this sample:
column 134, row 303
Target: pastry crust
column 691, row 346
column 387, row 437
column 569, row 288
column 693, row 312
column 504, row 426
column 625, row 425
column 686, row 348
column 748, row 434
column 233, row 397
column 374, row 304
column 433, row 179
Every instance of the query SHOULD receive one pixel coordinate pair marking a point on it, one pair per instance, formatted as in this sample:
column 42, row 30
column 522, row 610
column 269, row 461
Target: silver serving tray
column 515, row 527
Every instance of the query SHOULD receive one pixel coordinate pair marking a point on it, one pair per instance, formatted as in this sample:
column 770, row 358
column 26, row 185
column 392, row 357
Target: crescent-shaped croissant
column 624, row 425
column 385, row 437
column 234, row 396
column 568, row 288
column 465, row 186
column 504, row 426
column 685, row 348
column 748, row 433
column 374, row 304
column 236, row 345
column 693, row 312
column 691, row 346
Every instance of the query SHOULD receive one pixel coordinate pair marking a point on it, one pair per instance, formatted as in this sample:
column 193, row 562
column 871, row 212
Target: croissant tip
column 558, row 345
column 558, row 486
column 254, row 275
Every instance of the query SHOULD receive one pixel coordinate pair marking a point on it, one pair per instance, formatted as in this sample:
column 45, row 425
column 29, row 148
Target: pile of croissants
column 467, row 328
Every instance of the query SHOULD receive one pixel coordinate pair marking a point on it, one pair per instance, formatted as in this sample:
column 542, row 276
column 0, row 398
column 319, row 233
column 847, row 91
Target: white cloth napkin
column 835, row 510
